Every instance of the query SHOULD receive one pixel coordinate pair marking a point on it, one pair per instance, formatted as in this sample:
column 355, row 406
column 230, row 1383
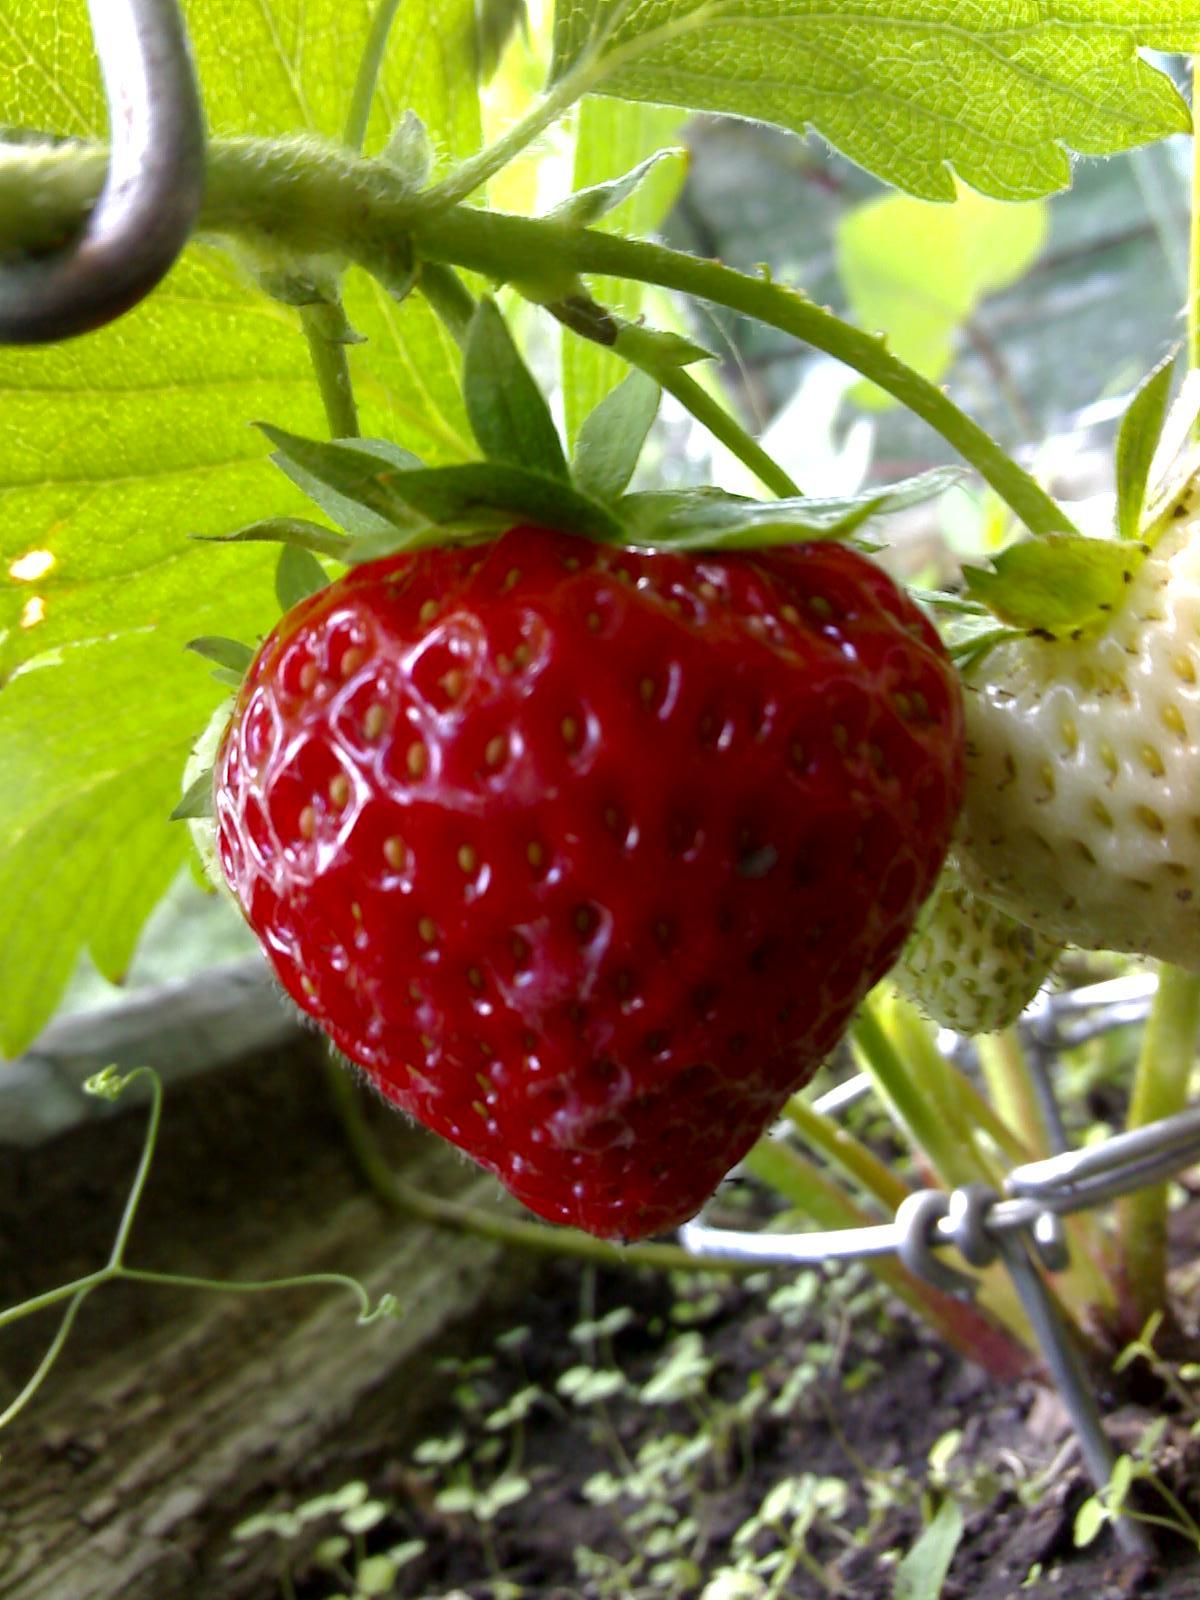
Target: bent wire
column 151, row 196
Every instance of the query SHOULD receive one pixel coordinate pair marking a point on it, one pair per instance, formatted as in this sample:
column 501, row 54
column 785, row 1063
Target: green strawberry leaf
column 197, row 799
column 353, row 480
column 913, row 90
column 229, row 653
column 337, row 490
column 1057, row 584
column 1137, row 443
column 120, row 448
column 612, row 437
column 585, row 207
column 709, row 519
column 920, row 270
column 298, row 574
column 508, row 412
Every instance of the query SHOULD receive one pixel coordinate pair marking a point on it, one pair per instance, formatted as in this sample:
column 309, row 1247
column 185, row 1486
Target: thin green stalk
column 961, row 1325
column 960, row 1115
column 723, row 427
column 149, row 1144
column 54, row 1297
column 323, row 328
column 461, row 1218
column 918, row 1095
column 1160, row 1089
column 473, row 173
column 53, row 1351
column 369, row 67
column 851, row 1157
column 318, row 200
column 1009, row 1082
column 449, row 297
column 502, row 246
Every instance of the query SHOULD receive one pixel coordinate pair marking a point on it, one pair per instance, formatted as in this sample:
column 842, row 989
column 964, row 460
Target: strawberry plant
column 584, row 809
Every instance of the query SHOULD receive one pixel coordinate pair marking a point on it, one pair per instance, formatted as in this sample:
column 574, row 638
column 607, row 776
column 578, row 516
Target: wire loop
column 151, row 197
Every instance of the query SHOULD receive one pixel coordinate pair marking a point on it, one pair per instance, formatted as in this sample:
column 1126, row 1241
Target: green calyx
column 1066, row 585
column 387, row 501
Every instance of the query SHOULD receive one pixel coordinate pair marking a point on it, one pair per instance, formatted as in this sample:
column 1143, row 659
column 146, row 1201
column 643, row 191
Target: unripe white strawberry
column 1082, row 814
column 969, row 965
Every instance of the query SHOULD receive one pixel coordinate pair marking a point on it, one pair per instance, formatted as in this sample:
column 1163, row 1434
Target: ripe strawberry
column 969, row 965
column 587, row 855
column 1082, row 815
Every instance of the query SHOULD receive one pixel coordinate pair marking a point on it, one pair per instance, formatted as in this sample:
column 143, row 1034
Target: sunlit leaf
column 913, row 90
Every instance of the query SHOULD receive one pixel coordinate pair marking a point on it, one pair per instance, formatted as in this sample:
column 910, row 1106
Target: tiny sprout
column 504, row 1492
column 361, row 1519
column 683, row 1375
column 943, row 1451
column 603, row 1488
column 440, row 1452
column 330, row 1551
column 281, row 1523
column 613, row 1322
column 517, row 1409
column 401, row 1554
column 375, row 1576
column 350, row 1495
column 585, row 1386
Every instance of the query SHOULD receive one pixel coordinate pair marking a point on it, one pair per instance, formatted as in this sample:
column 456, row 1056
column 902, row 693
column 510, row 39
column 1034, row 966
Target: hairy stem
column 322, row 325
column 370, row 65
column 1160, row 1089
column 319, row 200
column 473, row 173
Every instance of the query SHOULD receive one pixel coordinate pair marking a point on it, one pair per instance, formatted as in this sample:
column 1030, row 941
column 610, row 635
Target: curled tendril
column 388, row 1306
column 109, row 1084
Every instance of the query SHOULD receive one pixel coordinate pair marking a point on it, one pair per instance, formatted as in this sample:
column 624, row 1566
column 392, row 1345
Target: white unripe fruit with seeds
column 969, row 965
column 1082, row 814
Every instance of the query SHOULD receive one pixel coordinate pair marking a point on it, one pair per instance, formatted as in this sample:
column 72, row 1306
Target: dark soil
column 874, row 1396
column 811, row 1380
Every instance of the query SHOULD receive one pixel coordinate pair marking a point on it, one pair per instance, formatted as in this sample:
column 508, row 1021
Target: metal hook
column 151, row 197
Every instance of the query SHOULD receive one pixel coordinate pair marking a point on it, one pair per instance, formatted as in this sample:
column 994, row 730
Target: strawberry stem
column 847, row 1153
column 1160, row 1089
column 1010, row 1084
column 922, row 1091
column 321, row 324
column 318, row 200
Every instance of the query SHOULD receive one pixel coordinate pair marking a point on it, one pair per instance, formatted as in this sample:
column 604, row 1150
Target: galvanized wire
column 151, row 196
column 1018, row 1225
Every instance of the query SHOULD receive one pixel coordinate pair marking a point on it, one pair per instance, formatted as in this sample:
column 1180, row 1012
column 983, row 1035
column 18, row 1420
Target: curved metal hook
column 152, row 194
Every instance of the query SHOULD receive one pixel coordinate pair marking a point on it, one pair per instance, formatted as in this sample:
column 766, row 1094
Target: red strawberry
column 587, row 855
